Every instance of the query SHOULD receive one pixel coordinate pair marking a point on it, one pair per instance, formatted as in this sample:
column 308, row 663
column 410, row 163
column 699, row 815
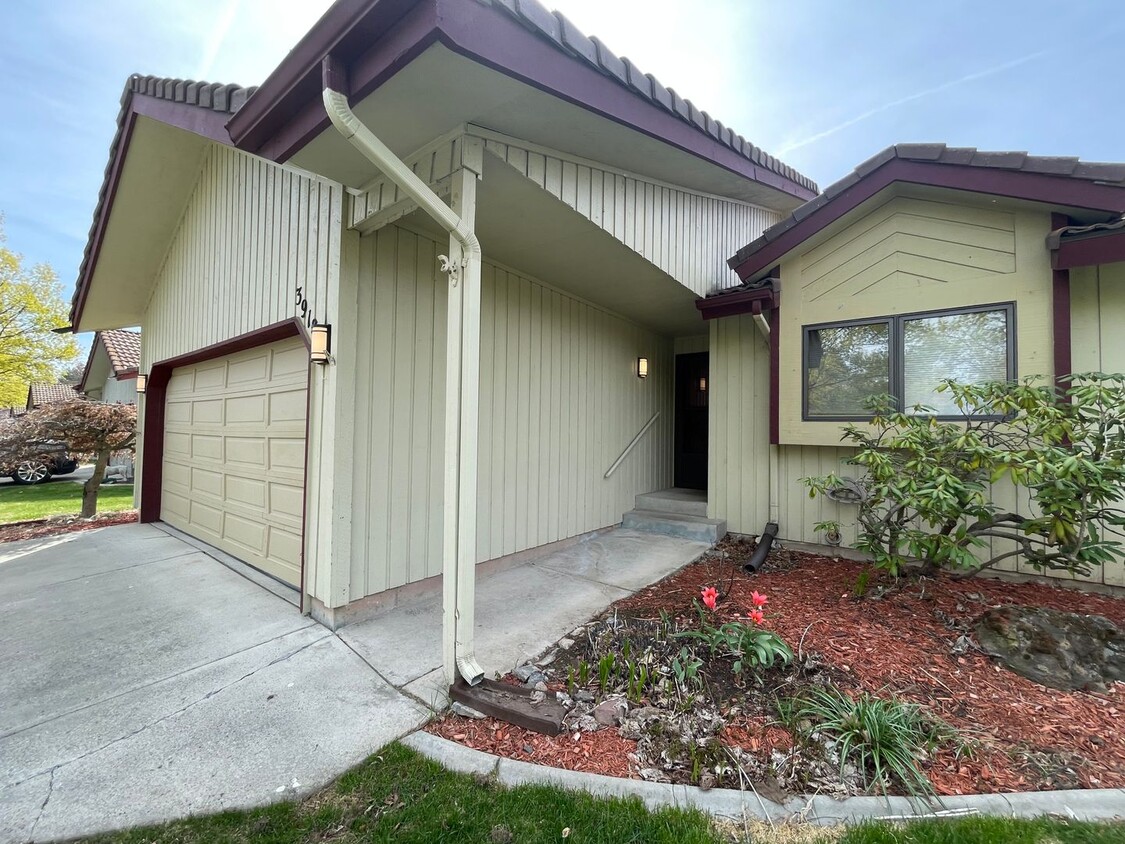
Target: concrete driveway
column 144, row 680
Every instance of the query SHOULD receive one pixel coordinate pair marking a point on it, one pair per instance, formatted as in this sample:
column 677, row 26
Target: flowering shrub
column 749, row 644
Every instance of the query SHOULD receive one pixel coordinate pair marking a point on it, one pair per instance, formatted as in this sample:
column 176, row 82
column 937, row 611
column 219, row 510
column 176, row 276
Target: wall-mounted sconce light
column 703, row 384
column 142, row 382
column 642, row 367
column 320, row 344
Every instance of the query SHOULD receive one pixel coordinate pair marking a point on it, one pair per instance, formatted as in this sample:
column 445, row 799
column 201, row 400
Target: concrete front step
column 686, row 502
column 698, row 528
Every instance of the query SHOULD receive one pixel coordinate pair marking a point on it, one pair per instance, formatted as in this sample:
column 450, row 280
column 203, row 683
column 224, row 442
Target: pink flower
column 757, row 616
column 758, row 599
column 710, row 595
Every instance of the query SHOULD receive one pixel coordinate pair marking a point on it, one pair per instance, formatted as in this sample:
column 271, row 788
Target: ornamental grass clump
column 884, row 740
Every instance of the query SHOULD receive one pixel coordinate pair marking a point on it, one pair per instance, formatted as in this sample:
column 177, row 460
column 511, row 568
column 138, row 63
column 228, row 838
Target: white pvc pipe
column 462, row 374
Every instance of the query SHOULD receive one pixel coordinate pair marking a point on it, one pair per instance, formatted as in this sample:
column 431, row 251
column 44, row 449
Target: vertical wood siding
column 688, row 235
column 251, row 232
column 1097, row 306
column 559, row 402
column 433, row 164
column 738, row 420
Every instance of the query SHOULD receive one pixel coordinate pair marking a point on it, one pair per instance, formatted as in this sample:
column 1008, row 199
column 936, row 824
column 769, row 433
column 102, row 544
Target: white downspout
column 774, row 460
column 462, row 386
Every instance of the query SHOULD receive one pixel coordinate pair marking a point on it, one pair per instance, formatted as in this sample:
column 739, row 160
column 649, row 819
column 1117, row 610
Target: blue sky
column 822, row 84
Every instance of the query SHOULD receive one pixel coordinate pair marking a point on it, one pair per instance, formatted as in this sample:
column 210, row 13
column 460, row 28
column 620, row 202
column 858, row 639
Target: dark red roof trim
column 519, row 38
column 1084, row 246
column 1061, row 182
column 752, row 301
column 199, row 107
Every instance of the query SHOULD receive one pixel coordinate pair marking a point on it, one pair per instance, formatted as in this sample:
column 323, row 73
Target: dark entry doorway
column 691, row 421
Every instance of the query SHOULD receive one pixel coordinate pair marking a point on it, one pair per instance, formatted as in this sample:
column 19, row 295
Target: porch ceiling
column 440, row 90
column 524, row 227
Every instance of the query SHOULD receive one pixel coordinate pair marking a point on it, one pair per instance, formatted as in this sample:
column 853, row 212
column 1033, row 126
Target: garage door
column 234, row 455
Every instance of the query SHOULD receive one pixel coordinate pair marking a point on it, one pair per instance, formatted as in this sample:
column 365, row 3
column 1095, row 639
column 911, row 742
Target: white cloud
column 909, row 98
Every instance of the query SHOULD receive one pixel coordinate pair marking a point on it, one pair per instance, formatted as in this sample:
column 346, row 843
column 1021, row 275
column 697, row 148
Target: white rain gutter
column 462, row 383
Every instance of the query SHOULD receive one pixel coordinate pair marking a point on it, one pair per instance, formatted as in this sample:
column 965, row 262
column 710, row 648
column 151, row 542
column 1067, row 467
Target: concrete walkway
column 145, row 681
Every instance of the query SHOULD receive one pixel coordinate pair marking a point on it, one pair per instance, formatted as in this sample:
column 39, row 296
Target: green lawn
column 57, row 498
column 400, row 796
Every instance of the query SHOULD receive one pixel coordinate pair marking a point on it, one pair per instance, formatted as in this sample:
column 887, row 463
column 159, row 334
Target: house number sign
column 302, row 307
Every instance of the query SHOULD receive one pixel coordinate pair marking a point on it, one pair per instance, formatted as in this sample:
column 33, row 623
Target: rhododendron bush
column 926, row 486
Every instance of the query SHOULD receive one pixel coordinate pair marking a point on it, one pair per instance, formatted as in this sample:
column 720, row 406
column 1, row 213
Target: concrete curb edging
column 1080, row 804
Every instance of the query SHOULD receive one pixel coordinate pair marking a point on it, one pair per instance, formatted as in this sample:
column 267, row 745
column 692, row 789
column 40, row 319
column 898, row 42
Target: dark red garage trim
column 1060, row 312
column 152, row 461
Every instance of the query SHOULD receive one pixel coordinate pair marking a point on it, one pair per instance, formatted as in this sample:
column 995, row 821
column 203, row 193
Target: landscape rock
column 584, row 696
column 458, row 708
column 1060, row 650
column 524, row 672
column 609, row 712
column 566, row 644
column 588, row 724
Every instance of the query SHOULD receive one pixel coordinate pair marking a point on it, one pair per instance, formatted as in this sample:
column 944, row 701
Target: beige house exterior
column 239, row 230
column 918, row 232
column 344, row 394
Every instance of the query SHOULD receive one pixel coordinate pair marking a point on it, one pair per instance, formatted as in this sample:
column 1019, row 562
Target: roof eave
column 285, row 113
column 204, row 122
column 1088, row 250
column 821, row 212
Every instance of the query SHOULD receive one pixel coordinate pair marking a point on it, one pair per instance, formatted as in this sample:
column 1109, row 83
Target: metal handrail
column 630, row 446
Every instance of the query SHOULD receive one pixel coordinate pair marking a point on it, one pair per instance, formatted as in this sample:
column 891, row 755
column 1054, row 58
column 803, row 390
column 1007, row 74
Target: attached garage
column 234, row 454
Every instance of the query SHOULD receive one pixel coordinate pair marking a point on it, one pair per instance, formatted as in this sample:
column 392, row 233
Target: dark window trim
column 896, row 338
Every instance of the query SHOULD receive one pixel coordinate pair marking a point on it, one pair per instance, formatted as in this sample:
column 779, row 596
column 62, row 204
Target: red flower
column 758, row 599
column 710, row 595
column 757, row 616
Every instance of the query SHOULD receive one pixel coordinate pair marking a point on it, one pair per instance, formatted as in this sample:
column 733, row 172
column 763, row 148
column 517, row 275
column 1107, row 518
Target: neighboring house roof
column 122, row 350
column 1083, row 246
column 39, row 394
column 1063, row 182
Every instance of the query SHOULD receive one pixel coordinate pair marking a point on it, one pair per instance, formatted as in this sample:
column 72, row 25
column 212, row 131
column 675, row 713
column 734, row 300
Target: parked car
column 53, row 460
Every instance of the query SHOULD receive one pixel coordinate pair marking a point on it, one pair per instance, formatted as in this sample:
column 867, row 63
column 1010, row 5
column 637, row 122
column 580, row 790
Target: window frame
column 896, row 334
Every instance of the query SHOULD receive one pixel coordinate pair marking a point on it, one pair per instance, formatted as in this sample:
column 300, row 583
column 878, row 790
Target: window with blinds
column 906, row 357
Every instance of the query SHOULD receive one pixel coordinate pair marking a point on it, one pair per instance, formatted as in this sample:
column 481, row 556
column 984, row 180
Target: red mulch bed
column 17, row 531
column 1030, row 737
column 603, row 752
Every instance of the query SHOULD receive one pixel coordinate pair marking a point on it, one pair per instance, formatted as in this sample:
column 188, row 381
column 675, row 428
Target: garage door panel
column 287, row 407
column 209, row 376
column 250, row 371
column 207, row 482
column 208, row 517
column 247, row 533
column 290, row 362
column 246, row 410
column 250, row 491
column 177, row 445
column 248, row 451
column 177, row 411
column 286, row 500
column 207, row 447
column 234, row 456
column 287, row 453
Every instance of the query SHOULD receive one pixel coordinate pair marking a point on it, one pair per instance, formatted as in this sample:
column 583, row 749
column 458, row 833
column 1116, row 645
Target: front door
column 691, row 421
